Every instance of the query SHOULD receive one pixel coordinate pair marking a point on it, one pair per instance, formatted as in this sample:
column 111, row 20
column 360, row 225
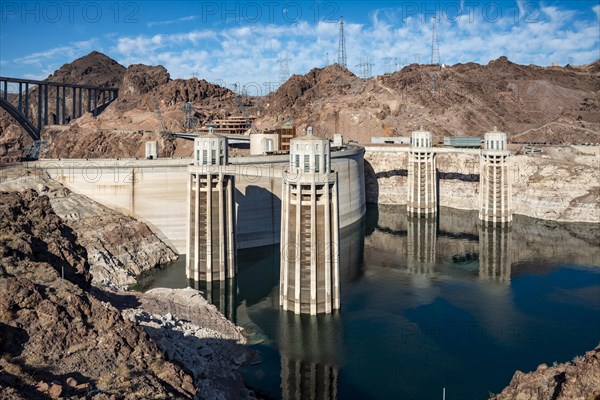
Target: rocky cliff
column 56, row 339
column 149, row 101
column 119, row 248
column 558, row 105
column 95, row 69
column 62, row 338
column 578, row 379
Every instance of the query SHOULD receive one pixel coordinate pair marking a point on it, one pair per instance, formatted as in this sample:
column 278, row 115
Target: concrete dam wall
column 156, row 191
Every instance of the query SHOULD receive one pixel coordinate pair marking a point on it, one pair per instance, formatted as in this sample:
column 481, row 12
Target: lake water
column 426, row 305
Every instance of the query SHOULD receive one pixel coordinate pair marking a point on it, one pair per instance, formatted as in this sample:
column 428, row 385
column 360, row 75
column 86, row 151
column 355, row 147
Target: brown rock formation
column 575, row 380
column 139, row 79
column 53, row 332
column 119, row 247
column 532, row 104
column 95, row 69
column 464, row 99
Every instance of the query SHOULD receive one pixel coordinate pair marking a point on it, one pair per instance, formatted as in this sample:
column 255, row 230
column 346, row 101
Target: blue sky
column 240, row 42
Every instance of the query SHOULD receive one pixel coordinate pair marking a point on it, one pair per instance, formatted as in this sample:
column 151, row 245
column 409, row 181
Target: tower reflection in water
column 494, row 252
column 309, row 347
column 221, row 294
column 421, row 244
column 454, row 243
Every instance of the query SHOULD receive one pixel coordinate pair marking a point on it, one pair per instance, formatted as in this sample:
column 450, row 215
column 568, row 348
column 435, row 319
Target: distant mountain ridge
column 531, row 103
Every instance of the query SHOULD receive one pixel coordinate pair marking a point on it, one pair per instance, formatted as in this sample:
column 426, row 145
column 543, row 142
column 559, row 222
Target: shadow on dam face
column 258, row 216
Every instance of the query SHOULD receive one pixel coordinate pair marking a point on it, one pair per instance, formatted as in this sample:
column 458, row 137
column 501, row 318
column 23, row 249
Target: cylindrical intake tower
column 422, row 183
column 495, row 203
column 309, row 278
column 211, row 249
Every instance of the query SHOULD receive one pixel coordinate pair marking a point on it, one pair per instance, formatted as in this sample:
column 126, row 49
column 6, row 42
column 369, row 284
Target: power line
column 365, row 68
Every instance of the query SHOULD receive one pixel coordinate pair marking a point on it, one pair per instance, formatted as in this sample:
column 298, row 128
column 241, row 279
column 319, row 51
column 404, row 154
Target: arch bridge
column 35, row 104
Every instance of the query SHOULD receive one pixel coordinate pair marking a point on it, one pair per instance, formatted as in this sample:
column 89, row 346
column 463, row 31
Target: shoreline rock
column 578, row 379
column 193, row 333
column 62, row 337
column 119, row 247
column 56, row 338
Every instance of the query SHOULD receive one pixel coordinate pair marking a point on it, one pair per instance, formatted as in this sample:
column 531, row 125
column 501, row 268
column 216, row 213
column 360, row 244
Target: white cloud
column 246, row 54
column 152, row 24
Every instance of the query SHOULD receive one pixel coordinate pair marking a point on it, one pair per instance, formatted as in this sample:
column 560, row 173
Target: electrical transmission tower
column 387, row 65
column 365, row 68
column 435, row 45
column 342, row 46
column 270, row 87
column 284, row 69
column 159, row 118
column 361, row 69
column 190, row 118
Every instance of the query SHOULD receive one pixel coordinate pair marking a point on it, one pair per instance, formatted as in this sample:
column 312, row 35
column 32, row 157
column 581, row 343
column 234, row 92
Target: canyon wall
column 561, row 184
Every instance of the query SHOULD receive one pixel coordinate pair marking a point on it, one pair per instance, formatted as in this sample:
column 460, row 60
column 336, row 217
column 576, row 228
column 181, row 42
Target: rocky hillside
column 62, row 338
column 119, row 248
column 557, row 105
column 578, row 379
column 94, row 69
column 56, row 339
column 149, row 100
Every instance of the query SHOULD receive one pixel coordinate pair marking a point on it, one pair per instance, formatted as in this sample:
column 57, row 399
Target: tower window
column 306, row 163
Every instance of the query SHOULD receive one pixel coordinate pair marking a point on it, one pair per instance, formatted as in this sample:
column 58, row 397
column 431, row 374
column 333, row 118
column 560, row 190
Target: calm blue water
column 426, row 305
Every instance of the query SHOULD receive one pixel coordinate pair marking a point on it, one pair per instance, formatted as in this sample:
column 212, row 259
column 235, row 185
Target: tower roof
column 309, row 136
column 211, row 135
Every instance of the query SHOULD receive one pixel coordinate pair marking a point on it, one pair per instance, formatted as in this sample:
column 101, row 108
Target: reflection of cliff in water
column 462, row 245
